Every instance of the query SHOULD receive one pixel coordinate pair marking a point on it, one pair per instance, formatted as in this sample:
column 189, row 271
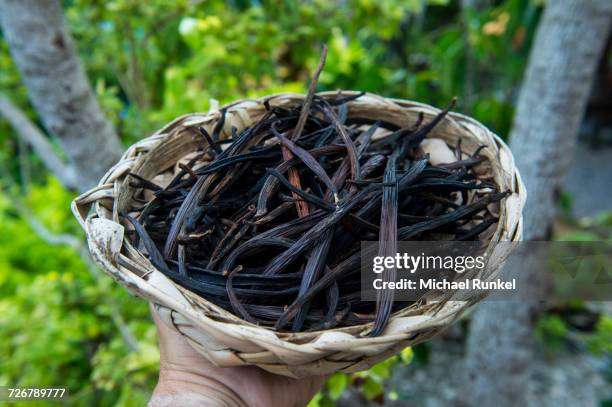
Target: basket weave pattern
column 227, row 340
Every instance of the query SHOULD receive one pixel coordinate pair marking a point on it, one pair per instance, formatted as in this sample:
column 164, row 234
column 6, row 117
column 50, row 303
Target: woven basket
column 227, row 340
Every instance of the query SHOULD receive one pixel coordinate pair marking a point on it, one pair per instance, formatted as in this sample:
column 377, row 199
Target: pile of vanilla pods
column 270, row 228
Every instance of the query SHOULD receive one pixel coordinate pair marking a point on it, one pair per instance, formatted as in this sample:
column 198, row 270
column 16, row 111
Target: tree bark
column 44, row 53
column 568, row 44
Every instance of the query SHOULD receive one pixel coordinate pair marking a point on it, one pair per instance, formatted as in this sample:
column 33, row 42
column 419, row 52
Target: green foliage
column 56, row 320
column 371, row 383
column 551, row 330
column 601, row 341
column 554, row 330
column 151, row 61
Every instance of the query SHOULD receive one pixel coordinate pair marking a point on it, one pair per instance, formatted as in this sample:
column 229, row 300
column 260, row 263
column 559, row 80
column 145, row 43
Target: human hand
column 187, row 379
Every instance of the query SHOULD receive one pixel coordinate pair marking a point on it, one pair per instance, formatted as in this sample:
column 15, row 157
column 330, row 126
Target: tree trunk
column 43, row 50
column 568, row 44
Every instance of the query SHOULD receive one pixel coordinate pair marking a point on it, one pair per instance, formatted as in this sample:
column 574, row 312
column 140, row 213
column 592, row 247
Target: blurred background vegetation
column 151, row 61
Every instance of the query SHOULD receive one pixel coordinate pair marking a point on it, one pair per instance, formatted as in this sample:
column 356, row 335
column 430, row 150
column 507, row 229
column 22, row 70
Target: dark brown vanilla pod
column 387, row 240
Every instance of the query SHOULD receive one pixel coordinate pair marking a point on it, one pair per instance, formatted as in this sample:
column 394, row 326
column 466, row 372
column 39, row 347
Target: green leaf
column 336, row 384
column 372, row 388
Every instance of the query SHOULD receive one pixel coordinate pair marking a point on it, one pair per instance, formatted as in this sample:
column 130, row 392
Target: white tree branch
column 43, row 50
column 27, row 131
column 65, row 239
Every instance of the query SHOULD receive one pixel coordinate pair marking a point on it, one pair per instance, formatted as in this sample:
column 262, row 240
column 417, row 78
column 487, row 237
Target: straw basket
column 227, row 340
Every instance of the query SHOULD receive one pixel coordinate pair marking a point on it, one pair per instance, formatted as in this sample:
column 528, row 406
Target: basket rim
column 108, row 189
